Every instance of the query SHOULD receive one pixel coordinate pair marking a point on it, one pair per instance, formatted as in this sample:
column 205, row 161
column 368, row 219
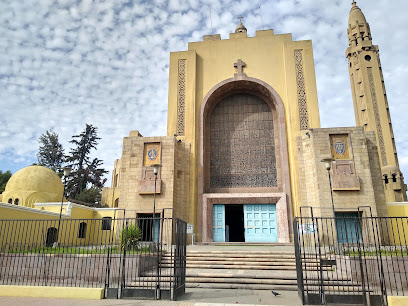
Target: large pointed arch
column 280, row 194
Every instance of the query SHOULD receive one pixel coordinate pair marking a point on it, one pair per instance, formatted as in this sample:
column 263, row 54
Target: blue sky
column 69, row 62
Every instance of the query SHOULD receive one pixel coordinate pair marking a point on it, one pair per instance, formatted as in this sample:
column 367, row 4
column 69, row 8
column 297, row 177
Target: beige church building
column 244, row 146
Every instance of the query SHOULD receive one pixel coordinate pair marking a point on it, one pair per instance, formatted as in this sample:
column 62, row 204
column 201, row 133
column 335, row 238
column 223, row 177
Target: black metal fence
column 132, row 257
column 351, row 259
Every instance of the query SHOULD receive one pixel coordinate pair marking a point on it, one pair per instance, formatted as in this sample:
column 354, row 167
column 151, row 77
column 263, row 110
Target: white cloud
column 66, row 63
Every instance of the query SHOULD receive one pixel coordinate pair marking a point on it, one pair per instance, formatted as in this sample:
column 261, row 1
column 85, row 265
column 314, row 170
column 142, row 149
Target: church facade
column 244, row 146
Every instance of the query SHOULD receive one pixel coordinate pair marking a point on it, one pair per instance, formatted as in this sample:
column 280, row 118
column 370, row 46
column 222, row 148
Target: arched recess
column 279, row 194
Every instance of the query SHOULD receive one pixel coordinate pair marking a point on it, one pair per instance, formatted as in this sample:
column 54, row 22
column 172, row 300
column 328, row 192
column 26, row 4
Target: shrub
column 130, row 237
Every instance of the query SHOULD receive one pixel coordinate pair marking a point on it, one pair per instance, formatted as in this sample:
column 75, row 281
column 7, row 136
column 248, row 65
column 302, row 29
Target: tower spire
column 370, row 100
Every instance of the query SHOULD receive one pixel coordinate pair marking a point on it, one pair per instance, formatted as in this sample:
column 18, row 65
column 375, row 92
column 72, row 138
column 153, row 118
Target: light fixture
column 156, row 168
column 327, row 162
column 67, row 171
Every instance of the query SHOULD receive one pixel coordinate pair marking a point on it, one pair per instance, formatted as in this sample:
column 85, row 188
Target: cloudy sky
column 64, row 63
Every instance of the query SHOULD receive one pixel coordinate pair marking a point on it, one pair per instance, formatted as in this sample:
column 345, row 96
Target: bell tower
column 370, row 101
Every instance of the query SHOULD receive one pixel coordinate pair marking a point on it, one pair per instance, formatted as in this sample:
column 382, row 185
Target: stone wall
column 367, row 189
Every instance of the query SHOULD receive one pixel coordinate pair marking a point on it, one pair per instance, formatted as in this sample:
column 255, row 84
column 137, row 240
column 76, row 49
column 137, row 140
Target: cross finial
column 240, row 65
column 240, row 18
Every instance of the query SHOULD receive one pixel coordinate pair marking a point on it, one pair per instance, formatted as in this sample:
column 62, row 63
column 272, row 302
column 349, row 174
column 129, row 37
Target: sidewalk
column 192, row 297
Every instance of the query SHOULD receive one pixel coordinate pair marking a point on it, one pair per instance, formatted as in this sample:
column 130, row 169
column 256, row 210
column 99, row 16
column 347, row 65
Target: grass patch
column 78, row 250
column 377, row 253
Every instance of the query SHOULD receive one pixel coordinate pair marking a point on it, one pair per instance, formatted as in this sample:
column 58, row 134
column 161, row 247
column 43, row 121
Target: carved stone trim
column 377, row 116
column 181, row 96
column 301, row 90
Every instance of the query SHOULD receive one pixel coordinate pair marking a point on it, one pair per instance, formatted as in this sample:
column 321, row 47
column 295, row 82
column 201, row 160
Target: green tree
column 51, row 152
column 90, row 197
column 4, row 177
column 85, row 172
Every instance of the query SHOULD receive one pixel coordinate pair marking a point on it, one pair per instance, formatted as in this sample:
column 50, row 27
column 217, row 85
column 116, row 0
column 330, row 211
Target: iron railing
column 128, row 257
column 351, row 259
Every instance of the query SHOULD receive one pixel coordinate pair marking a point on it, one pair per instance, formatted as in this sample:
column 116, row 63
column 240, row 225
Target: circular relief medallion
column 152, row 154
column 339, row 146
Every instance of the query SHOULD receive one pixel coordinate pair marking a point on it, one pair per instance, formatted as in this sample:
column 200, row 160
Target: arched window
column 106, row 223
column 16, row 201
column 10, row 201
column 116, row 180
column 82, row 230
column 116, row 204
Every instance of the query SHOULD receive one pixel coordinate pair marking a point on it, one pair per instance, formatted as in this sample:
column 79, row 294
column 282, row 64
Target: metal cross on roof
column 240, row 18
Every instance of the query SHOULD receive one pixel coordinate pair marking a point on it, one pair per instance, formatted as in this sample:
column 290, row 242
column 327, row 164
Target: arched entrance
column 243, row 179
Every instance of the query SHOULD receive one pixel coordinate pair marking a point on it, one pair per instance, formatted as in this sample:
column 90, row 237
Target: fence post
column 124, row 245
column 298, row 257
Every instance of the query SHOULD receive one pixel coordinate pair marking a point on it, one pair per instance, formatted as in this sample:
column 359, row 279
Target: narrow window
column 82, row 230
column 10, row 201
column 106, row 223
column 16, row 201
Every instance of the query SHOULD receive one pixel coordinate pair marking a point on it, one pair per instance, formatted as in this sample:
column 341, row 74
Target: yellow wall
column 398, row 226
column 28, row 233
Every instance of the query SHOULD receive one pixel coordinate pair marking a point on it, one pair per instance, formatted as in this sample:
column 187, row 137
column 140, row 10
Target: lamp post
column 67, row 171
column 156, row 168
column 327, row 162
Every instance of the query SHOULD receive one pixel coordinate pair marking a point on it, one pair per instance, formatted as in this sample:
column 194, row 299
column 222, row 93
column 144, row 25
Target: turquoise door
column 260, row 223
column 348, row 227
column 156, row 228
column 218, row 223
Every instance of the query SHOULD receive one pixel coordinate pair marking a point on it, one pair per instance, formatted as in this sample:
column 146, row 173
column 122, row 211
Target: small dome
column 356, row 15
column 35, row 178
column 240, row 28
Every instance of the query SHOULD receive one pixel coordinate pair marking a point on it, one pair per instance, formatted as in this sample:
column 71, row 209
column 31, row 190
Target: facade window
column 16, row 201
column 106, row 223
column 10, row 201
column 82, row 230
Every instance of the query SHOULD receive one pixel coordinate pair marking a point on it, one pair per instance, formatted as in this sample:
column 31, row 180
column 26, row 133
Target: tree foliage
column 4, row 177
column 90, row 197
column 51, row 152
column 85, row 172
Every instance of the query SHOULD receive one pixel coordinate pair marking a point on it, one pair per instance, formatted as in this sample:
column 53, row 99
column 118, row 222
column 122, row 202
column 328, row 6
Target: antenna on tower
column 212, row 30
column 260, row 13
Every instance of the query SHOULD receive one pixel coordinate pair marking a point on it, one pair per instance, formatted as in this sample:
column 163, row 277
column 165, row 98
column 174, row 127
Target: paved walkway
column 193, row 297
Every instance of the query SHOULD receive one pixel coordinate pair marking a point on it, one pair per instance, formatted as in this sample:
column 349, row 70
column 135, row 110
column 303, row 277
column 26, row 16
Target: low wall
column 395, row 270
column 72, row 270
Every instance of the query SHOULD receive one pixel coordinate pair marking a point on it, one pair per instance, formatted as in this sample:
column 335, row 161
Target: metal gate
column 351, row 260
column 149, row 269
column 179, row 283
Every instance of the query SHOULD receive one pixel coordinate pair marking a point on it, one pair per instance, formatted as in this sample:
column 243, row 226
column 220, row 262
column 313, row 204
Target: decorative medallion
column 340, row 146
column 152, row 154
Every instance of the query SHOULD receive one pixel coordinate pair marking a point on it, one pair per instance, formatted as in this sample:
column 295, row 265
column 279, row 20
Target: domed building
column 33, row 184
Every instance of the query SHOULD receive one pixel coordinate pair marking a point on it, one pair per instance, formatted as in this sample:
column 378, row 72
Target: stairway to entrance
column 253, row 267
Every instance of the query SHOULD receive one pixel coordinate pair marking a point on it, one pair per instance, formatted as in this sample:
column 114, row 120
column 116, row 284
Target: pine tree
column 85, row 172
column 50, row 153
column 4, row 177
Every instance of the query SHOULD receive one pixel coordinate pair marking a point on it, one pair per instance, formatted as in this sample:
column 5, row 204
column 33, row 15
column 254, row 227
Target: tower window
column 394, row 177
column 367, row 58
